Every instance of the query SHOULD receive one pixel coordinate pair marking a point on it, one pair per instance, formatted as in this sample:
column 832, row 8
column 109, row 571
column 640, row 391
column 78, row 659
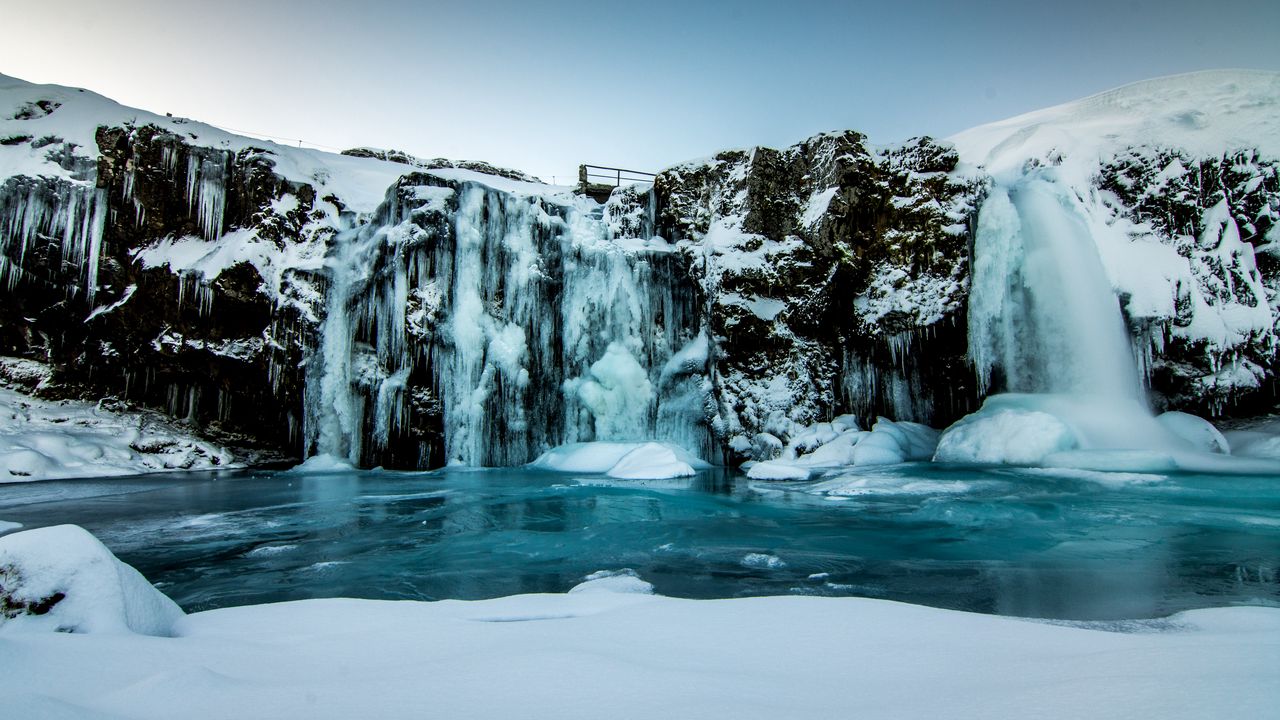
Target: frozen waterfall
column 1041, row 309
column 1046, row 329
column 508, row 323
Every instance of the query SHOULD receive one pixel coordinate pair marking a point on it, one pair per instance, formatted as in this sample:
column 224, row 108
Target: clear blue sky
column 544, row 85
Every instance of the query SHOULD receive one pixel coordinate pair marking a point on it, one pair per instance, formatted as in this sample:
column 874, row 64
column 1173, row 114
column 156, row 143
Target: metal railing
column 598, row 176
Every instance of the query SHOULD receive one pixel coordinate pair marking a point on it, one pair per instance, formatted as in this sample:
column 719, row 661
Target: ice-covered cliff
column 409, row 313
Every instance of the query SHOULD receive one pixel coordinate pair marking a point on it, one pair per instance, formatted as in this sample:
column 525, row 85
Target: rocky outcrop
column 832, row 270
column 218, row 345
column 1213, row 349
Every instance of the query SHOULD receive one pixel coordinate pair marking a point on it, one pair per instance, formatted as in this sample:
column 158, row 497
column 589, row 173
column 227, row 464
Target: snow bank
column 624, row 460
column 626, row 655
column 42, row 439
column 61, row 578
column 1204, row 113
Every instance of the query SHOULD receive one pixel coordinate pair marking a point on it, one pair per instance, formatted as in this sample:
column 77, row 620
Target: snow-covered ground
column 46, row 439
column 608, row 648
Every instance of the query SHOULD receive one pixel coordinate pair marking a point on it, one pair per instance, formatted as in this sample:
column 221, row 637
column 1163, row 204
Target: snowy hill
column 1203, row 113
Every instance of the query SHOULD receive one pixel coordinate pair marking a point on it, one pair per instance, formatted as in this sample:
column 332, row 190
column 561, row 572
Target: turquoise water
column 1070, row 546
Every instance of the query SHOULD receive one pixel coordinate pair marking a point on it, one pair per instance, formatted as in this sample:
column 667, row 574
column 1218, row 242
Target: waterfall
column 1044, row 317
column 1041, row 308
column 521, row 320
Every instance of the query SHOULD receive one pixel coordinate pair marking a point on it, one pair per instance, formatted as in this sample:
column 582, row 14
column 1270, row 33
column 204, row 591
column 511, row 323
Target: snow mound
column 1007, row 437
column 1090, row 433
column 624, row 460
column 1198, row 432
column 614, row 581
column 650, row 461
column 323, row 464
column 43, row 440
column 62, row 578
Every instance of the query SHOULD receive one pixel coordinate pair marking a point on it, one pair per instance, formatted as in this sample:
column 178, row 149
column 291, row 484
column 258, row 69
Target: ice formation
column 1041, row 308
column 536, row 327
column 1046, row 327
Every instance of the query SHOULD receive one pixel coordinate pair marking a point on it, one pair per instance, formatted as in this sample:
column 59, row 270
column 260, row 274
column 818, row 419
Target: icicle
column 206, row 191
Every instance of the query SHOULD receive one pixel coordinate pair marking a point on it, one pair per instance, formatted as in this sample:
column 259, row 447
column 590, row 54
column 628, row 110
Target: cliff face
column 1213, row 349
column 835, row 275
column 409, row 313
column 198, row 346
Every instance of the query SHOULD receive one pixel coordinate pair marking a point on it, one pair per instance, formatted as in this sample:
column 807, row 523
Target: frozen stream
column 1056, row 544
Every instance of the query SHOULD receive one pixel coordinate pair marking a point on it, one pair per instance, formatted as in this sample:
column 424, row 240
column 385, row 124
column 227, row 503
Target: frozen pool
column 1056, row 544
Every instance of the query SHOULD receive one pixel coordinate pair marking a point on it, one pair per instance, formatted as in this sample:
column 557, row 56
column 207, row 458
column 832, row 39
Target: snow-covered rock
column 62, row 578
column 840, row 443
column 614, row 581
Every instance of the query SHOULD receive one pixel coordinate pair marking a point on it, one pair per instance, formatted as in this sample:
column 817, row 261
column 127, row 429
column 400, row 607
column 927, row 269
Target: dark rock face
column 209, row 352
column 831, row 269
column 1208, row 210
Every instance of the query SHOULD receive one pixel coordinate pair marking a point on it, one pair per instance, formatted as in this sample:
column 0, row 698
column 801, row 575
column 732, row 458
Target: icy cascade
column 516, row 322
column 67, row 217
column 1041, row 309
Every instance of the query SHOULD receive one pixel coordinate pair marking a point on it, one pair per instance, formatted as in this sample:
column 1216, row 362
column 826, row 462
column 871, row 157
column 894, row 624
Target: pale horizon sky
column 544, row 86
